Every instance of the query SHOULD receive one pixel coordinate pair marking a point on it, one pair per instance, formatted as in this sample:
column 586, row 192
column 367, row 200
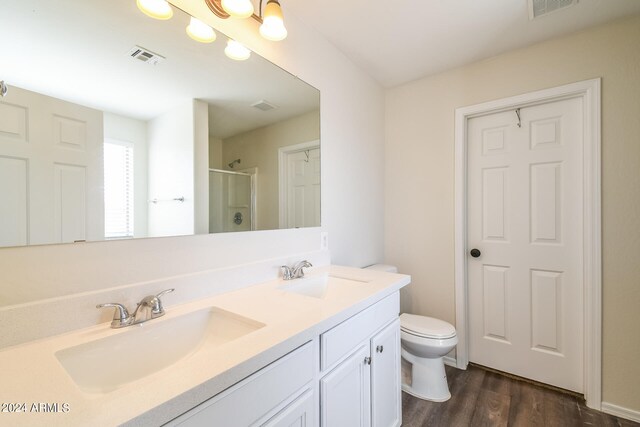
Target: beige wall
column 419, row 177
column 215, row 153
column 259, row 148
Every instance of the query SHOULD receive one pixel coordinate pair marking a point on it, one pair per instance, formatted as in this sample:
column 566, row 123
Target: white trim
column 283, row 152
column 619, row 411
column 450, row 361
column 589, row 92
column 253, row 173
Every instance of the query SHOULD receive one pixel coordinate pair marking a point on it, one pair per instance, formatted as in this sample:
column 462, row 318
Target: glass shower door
column 231, row 201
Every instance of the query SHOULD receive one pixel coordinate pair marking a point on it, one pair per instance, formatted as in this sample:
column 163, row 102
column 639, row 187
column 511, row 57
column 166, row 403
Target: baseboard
column 448, row 360
column 619, row 411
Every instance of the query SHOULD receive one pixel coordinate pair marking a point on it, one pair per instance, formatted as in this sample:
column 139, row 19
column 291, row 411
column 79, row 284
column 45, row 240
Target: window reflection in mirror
column 97, row 144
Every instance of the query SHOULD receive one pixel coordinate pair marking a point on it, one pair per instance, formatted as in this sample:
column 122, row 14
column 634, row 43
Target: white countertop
column 31, row 374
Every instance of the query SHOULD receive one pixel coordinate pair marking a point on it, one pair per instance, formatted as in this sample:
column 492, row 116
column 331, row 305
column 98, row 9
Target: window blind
column 118, row 189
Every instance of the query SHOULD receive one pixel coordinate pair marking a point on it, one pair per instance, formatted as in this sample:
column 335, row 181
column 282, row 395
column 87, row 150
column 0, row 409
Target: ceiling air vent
column 538, row 8
column 264, row 105
column 145, row 55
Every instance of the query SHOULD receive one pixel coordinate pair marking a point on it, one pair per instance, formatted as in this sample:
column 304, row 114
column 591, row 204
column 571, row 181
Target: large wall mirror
column 115, row 125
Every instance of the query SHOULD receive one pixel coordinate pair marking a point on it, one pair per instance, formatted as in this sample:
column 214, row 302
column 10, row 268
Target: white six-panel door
column 303, row 189
column 525, row 201
column 51, row 172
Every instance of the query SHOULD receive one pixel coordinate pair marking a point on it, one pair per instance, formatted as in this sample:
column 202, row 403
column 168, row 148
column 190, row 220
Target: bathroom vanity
column 323, row 350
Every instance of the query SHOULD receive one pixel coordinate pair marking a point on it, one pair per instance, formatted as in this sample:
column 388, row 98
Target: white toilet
column 425, row 341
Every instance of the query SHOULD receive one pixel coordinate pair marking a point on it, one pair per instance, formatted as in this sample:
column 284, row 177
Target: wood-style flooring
column 484, row 398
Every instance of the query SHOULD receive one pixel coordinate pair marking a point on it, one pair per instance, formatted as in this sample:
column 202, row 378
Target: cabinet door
column 386, row 398
column 298, row 414
column 345, row 392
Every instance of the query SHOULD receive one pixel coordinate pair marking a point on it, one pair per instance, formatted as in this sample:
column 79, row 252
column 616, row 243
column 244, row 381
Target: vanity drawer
column 255, row 396
column 339, row 341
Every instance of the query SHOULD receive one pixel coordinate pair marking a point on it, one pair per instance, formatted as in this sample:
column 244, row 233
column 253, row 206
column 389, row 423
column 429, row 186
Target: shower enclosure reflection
column 232, row 201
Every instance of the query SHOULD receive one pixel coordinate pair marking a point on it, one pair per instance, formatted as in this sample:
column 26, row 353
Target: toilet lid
column 424, row 326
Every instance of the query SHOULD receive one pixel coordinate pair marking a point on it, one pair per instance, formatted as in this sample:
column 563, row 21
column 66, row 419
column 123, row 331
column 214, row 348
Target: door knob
column 475, row 253
column 380, row 349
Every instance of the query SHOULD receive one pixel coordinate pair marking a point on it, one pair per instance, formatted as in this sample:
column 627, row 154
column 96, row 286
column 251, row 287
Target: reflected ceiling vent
column 538, row 8
column 264, row 105
column 145, row 55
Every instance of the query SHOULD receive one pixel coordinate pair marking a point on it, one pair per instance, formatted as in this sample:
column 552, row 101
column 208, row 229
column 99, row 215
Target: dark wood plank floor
column 484, row 398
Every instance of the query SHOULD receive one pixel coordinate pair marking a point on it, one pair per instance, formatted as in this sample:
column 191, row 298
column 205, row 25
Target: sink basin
column 317, row 286
column 311, row 286
column 103, row 365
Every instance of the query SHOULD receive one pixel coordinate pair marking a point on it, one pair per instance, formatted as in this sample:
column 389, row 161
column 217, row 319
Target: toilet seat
column 426, row 327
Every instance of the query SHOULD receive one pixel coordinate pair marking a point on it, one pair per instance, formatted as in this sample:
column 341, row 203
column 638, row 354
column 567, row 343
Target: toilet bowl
column 425, row 341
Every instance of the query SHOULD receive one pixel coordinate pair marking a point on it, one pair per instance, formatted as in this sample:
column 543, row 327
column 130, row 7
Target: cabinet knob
column 380, row 348
column 367, row 360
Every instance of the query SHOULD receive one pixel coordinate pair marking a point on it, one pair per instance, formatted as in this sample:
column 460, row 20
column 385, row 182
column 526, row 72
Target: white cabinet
column 341, row 340
column 363, row 389
column 261, row 397
column 358, row 380
column 344, row 392
column 386, row 395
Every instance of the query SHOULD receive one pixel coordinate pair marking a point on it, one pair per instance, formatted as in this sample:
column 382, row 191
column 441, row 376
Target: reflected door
column 525, row 220
column 51, row 173
column 301, row 202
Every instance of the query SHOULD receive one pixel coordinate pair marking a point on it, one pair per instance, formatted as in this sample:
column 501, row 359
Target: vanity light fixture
column 200, row 32
column 158, row 9
column 236, row 50
column 271, row 19
column 271, row 28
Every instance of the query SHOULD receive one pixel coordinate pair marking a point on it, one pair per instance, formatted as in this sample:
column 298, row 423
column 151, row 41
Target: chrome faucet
column 295, row 272
column 149, row 308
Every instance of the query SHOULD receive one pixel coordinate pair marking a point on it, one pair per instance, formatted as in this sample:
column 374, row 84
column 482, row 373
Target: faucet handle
column 121, row 315
column 166, row 291
column 158, row 309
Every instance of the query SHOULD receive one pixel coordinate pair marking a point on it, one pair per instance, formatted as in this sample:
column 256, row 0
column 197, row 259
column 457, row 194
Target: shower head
column 233, row 163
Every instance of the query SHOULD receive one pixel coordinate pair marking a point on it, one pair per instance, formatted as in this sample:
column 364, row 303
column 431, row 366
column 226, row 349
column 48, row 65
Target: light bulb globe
column 238, row 8
column 200, row 32
column 236, row 51
column 158, row 9
column 272, row 27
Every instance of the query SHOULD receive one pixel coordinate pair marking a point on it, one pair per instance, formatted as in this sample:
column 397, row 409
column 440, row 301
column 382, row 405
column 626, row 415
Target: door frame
column 253, row 173
column 283, row 176
column 590, row 93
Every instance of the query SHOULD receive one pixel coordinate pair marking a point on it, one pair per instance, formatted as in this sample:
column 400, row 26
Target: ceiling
column 399, row 41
